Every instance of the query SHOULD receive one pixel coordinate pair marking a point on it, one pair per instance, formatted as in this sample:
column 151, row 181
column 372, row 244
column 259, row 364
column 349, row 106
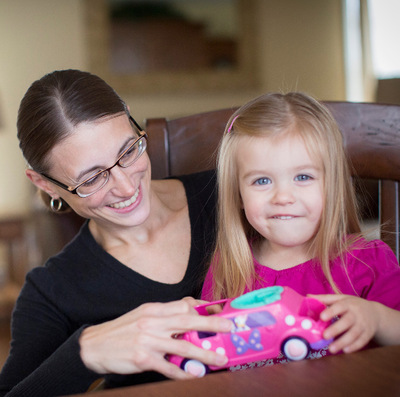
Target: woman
column 84, row 314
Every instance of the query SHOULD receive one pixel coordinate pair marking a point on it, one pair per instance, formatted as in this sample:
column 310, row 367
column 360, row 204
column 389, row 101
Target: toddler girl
column 288, row 216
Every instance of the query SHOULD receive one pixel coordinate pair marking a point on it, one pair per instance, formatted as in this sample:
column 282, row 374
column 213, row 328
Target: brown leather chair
column 371, row 134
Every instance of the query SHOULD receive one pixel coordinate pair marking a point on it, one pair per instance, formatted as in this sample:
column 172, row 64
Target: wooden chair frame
column 371, row 135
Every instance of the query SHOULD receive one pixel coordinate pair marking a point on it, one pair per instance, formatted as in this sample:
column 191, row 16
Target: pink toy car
column 264, row 323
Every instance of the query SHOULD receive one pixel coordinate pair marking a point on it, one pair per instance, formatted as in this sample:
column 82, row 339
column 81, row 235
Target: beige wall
column 299, row 46
column 35, row 37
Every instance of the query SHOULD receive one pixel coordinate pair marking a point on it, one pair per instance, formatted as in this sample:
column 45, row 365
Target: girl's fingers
column 338, row 327
column 327, row 299
column 356, row 325
column 351, row 341
column 346, row 339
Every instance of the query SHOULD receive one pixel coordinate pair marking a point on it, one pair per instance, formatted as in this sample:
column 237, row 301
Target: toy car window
column 261, row 318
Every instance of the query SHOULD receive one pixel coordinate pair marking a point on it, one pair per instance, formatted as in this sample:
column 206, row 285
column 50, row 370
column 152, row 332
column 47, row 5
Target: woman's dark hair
column 54, row 105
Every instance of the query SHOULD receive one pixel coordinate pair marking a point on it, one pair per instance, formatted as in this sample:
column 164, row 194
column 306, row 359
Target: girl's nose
column 283, row 195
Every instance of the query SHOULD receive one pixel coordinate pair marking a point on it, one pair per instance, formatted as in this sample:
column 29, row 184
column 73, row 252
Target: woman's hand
column 358, row 321
column 139, row 340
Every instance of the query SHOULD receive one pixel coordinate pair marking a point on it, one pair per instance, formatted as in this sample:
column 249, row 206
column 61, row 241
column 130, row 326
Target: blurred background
column 174, row 58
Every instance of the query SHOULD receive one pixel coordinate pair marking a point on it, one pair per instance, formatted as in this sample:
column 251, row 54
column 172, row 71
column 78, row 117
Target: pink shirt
column 373, row 274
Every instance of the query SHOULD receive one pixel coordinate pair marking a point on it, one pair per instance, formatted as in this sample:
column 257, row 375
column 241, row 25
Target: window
column 385, row 33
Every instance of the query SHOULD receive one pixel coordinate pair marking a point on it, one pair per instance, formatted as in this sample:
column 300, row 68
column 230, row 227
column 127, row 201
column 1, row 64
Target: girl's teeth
column 126, row 203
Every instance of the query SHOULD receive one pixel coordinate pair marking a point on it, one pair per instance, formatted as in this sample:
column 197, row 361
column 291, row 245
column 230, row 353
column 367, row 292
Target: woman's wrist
column 87, row 352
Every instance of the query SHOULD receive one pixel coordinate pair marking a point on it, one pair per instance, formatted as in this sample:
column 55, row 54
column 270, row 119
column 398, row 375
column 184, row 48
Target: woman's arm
column 47, row 360
column 45, row 353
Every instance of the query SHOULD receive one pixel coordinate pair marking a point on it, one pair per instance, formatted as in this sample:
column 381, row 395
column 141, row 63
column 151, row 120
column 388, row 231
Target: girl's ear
column 42, row 183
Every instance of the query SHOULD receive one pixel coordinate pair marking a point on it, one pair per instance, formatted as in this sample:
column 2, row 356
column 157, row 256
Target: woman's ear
column 42, row 183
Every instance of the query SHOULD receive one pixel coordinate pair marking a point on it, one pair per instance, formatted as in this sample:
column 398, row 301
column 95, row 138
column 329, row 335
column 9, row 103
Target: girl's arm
column 359, row 321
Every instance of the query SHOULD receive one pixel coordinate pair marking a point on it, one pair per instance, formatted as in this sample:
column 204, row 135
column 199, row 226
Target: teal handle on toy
column 260, row 297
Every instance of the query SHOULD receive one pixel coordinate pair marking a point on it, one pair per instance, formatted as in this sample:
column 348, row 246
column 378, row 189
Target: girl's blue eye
column 302, row 178
column 263, row 181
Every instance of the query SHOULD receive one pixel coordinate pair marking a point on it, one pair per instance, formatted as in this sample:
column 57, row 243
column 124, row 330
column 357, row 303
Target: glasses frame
column 74, row 189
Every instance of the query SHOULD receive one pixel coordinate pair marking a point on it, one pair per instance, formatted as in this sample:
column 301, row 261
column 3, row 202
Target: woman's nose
column 121, row 181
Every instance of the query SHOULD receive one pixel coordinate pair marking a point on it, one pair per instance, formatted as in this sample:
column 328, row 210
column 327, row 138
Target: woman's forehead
column 91, row 144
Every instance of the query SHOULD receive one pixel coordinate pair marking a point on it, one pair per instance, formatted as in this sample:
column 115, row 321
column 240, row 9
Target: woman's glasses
column 97, row 181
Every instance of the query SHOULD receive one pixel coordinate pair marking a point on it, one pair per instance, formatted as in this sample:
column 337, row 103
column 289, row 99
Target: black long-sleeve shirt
column 84, row 285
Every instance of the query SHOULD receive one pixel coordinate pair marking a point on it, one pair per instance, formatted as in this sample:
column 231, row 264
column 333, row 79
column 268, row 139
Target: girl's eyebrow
column 92, row 170
column 308, row 167
column 264, row 172
column 253, row 173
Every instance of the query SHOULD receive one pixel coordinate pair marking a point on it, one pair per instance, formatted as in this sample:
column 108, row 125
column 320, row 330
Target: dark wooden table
column 374, row 372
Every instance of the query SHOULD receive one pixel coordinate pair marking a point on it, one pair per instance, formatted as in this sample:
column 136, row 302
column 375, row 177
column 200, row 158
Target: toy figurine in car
column 265, row 322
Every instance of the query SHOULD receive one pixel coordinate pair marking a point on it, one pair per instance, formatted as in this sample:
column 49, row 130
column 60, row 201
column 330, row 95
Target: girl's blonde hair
column 274, row 115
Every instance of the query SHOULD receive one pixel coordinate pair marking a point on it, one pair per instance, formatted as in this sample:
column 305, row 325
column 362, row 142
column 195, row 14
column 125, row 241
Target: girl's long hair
column 274, row 115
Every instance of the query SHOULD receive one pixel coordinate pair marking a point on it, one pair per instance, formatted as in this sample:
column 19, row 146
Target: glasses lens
column 93, row 184
column 133, row 153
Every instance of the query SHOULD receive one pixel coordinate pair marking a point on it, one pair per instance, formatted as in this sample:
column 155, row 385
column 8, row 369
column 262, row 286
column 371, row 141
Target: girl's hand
column 358, row 321
column 139, row 340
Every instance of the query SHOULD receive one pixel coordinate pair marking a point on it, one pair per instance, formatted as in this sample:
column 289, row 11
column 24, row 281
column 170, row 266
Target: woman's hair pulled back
column 54, row 105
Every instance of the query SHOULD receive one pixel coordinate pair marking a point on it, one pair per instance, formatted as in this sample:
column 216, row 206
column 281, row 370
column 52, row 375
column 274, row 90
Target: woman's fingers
column 138, row 340
column 186, row 349
column 183, row 306
column 149, row 354
column 179, row 318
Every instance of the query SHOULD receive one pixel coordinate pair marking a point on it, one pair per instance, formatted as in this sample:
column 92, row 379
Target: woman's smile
column 127, row 190
column 126, row 203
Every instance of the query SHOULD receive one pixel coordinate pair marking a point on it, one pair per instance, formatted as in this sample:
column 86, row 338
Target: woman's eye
column 93, row 181
column 131, row 153
column 131, row 150
column 302, row 178
column 263, row 181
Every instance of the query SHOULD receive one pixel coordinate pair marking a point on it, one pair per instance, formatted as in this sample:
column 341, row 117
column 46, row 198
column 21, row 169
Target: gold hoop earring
column 56, row 204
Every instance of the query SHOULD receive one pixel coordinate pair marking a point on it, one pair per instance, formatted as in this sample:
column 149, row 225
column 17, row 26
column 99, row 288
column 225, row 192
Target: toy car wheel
column 295, row 348
column 195, row 367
